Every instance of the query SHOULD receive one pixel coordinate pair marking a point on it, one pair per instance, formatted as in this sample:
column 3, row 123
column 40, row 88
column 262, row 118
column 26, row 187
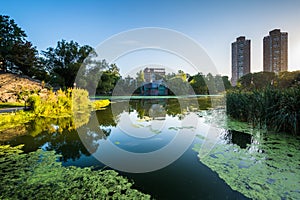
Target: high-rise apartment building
column 240, row 61
column 276, row 51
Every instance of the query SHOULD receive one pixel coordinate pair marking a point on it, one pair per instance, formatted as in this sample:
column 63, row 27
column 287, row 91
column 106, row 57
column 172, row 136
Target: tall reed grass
column 270, row 108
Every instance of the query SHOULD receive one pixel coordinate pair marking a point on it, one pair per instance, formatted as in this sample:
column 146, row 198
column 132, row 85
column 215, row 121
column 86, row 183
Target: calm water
column 142, row 126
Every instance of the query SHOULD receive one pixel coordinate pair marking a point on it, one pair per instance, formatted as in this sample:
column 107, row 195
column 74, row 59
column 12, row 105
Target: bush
column 35, row 104
column 64, row 103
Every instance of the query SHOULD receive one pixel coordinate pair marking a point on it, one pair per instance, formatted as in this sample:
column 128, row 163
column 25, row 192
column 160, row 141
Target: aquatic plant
column 37, row 175
column 267, row 169
column 269, row 108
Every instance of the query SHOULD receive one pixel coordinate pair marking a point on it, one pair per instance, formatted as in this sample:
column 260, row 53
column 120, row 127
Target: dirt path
column 13, row 109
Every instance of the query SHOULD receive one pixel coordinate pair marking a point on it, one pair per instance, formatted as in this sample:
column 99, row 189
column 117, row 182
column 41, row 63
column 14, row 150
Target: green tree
column 109, row 79
column 198, row 84
column 64, row 61
column 226, row 82
column 178, row 87
column 38, row 71
column 246, row 81
column 16, row 53
column 288, row 79
column 257, row 80
column 263, row 79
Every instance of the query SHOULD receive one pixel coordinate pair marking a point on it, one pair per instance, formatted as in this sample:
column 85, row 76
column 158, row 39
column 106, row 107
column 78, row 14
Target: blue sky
column 213, row 24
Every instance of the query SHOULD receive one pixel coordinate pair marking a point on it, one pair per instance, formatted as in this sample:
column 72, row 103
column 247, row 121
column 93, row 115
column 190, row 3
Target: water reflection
column 249, row 163
column 243, row 140
column 259, row 164
column 59, row 134
column 161, row 119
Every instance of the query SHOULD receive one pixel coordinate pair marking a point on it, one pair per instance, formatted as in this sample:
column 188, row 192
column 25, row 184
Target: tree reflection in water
column 60, row 134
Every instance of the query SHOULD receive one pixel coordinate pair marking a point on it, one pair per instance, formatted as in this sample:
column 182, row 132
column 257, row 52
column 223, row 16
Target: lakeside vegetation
column 265, row 168
column 267, row 101
column 72, row 103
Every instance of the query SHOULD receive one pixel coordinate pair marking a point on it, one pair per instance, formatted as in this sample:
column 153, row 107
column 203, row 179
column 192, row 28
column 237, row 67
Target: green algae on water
column 268, row 169
column 37, row 175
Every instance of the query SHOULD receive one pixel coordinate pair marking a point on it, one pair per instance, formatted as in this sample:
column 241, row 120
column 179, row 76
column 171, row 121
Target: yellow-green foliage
column 100, row 104
column 60, row 103
column 72, row 103
column 80, row 100
column 10, row 120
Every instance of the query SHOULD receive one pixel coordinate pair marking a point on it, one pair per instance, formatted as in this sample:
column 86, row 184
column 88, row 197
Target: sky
column 213, row 24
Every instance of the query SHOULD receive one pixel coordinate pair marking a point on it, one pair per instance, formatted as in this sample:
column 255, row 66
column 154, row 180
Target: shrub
column 64, row 103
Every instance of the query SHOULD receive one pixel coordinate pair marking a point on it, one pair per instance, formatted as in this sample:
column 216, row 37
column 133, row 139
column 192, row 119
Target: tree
column 182, row 75
column 109, row 79
column 226, row 82
column 257, row 80
column 178, row 87
column 246, row 81
column 288, row 79
column 263, row 79
column 219, row 84
column 198, row 84
column 210, row 81
column 140, row 78
column 38, row 71
column 16, row 53
column 64, row 61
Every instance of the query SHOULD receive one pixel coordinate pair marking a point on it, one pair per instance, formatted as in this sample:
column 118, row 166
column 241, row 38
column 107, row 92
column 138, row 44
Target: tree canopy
column 16, row 53
column 60, row 65
column 64, row 61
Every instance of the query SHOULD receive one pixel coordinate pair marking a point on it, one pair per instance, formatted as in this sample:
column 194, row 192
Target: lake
column 173, row 148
